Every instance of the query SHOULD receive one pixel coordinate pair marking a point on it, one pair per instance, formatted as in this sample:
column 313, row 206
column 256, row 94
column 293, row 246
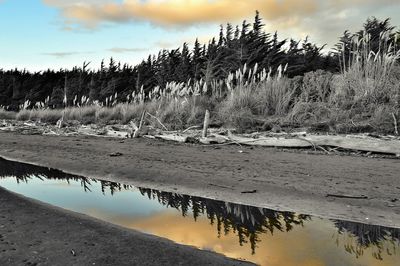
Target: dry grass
column 364, row 96
column 7, row 114
column 371, row 78
column 250, row 101
column 43, row 115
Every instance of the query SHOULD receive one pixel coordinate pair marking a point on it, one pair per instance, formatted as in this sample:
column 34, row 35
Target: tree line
column 235, row 47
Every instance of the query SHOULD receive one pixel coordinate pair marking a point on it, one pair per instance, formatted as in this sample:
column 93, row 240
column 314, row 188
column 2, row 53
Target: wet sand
column 288, row 181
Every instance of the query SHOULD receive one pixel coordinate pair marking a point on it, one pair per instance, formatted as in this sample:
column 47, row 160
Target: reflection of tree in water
column 246, row 221
column 357, row 237
column 24, row 172
column 114, row 187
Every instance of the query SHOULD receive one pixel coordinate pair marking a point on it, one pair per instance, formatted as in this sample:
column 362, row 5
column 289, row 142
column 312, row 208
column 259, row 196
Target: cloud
column 61, row 54
column 121, row 50
column 323, row 20
column 177, row 12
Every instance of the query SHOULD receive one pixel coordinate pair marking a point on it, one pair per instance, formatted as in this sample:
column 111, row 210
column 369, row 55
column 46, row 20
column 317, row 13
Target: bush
column 316, row 86
column 307, row 113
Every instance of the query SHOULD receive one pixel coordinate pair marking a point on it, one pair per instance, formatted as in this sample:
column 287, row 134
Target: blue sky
column 40, row 34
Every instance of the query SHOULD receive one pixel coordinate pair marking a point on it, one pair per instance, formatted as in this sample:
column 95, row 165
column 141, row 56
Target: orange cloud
column 323, row 20
column 179, row 12
column 311, row 245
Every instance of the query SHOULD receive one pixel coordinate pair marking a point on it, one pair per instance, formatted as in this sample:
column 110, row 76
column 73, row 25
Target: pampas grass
column 366, row 91
column 370, row 77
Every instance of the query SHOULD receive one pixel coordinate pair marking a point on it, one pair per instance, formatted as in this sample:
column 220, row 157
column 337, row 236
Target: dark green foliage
column 235, row 47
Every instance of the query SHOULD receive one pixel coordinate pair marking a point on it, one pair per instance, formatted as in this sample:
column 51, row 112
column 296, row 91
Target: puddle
column 259, row 235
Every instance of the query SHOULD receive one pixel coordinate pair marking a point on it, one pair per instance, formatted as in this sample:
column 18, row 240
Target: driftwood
column 158, row 120
column 348, row 143
column 172, row 137
column 270, row 141
column 115, row 154
column 214, row 139
column 249, row 192
column 206, row 124
column 396, row 131
column 137, row 129
column 190, row 128
column 134, row 128
column 366, row 143
column 116, row 134
column 347, row 196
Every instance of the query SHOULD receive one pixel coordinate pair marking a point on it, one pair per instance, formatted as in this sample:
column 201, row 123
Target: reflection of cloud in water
column 62, row 184
column 309, row 245
column 119, row 218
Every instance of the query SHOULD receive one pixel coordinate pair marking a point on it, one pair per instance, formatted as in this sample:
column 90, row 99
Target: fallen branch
column 315, row 146
column 347, row 196
column 249, row 192
column 189, row 128
column 158, row 120
column 172, row 137
column 396, row 131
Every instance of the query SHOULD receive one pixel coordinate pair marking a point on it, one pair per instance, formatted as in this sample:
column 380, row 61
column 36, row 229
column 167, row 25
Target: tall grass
column 364, row 95
column 371, row 77
column 254, row 96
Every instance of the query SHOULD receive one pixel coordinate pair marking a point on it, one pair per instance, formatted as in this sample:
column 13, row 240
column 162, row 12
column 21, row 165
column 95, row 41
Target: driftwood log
column 348, row 143
column 206, row 124
column 360, row 144
column 214, row 139
column 172, row 137
column 270, row 141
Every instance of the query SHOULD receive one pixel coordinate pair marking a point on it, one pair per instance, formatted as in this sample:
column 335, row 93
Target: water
column 259, row 235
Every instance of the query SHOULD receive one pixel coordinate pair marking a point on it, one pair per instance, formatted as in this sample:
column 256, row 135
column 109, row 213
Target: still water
column 262, row 236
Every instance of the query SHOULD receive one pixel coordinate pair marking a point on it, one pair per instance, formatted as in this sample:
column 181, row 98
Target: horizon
column 64, row 35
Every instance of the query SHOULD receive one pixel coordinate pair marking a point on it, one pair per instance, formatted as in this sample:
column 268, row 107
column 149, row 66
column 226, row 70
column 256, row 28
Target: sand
column 286, row 181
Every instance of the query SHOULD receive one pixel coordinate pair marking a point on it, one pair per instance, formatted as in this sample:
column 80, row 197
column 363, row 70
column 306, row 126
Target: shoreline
column 283, row 181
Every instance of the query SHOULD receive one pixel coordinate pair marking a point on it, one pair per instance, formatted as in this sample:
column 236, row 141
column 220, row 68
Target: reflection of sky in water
column 316, row 243
column 72, row 197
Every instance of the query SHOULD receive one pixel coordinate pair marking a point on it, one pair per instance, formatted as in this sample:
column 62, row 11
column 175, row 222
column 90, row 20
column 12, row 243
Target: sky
column 42, row 34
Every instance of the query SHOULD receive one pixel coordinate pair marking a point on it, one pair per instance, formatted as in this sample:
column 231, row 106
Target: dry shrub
column 316, row 86
column 382, row 119
column 310, row 112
